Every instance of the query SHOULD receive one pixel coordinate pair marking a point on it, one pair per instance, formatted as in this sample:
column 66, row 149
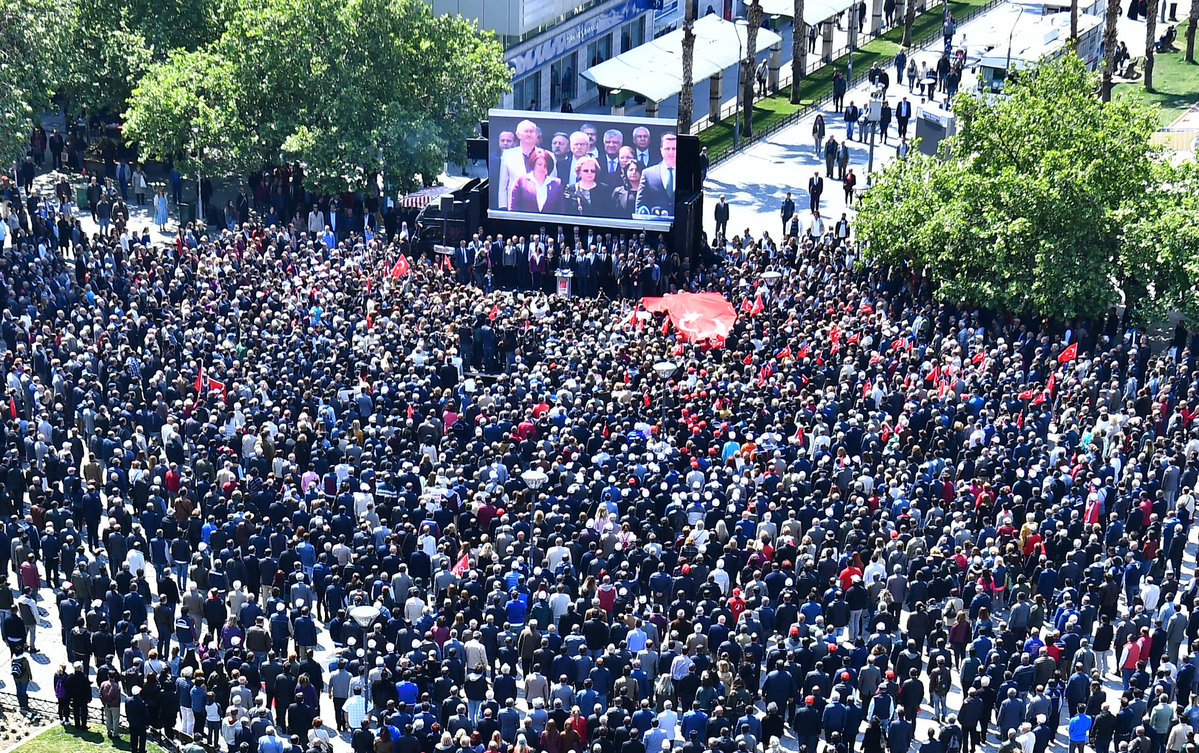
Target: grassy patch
column 777, row 109
column 1175, row 82
column 92, row 740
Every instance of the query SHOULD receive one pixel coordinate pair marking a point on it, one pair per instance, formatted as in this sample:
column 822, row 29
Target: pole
column 870, row 164
column 737, row 96
column 1007, row 67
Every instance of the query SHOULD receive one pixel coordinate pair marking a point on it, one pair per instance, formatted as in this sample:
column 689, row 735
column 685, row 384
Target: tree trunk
column 754, row 18
column 1074, row 22
column 1109, row 48
column 909, row 18
column 1151, row 11
column 687, row 92
column 799, row 51
column 1193, row 19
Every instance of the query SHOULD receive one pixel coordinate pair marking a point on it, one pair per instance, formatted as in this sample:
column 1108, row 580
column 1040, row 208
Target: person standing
column 722, row 217
column 110, row 703
column 903, row 113
column 1080, row 729
column 139, row 186
column 80, row 688
column 818, row 131
column 22, row 675
column 788, row 211
column 851, row 119
column 830, row 155
column 842, row 159
column 137, row 716
column 815, row 188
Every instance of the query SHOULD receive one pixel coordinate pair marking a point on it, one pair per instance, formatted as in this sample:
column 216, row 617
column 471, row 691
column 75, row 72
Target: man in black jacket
column 137, row 716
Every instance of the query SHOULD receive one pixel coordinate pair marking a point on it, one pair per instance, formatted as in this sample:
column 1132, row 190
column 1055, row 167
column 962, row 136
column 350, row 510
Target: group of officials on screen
column 577, row 177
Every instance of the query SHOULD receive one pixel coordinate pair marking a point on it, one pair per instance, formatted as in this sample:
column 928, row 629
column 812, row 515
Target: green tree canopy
column 1047, row 201
column 346, row 88
column 31, row 58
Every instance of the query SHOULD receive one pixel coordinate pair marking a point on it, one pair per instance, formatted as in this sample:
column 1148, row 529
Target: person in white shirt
column 668, row 721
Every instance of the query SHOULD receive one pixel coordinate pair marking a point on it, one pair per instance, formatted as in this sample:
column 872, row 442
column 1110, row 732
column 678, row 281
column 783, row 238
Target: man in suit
column 610, row 161
column 580, row 147
column 903, row 113
column 641, row 146
column 722, row 217
column 514, row 162
column 560, row 147
column 815, row 188
column 658, row 183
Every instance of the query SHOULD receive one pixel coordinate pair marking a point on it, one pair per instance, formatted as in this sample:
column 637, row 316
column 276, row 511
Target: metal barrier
column 917, row 43
column 48, row 711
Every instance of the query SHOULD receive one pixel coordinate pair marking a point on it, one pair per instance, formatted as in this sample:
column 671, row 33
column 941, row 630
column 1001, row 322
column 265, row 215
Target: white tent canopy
column 814, row 11
column 655, row 69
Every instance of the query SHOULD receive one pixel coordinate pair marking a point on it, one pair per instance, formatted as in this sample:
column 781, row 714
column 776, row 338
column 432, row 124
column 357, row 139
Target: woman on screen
column 538, row 191
column 624, row 198
column 587, row 197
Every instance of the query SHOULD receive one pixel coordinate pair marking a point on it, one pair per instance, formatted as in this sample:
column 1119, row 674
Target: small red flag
column 748, row 359
column 1020, row 420
column 978, row 358
column 647, row 401
column 1069, row 354
column 459, row 569
column 1051, row 387
column 758, row 308
column 495, row 313
column 887, row 432
column 12, row 407
column 784, row 353
column 410, row 412
column 804, row 352
column 746, row 306
column 200, row 381
column 867, row 388
column 1028, row 394
column 666, row 327
column 856, row 337
column 679, row 349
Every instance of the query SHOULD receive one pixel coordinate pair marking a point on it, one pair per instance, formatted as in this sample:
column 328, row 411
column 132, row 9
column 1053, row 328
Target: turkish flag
column 495, row 313
column 217, row 387
column 758, row 308
column 12, row 407
column 1069, row 354
column 748, row 359
column 461, row 566
column 200, row 381
column 401, row 268
column 784, row 353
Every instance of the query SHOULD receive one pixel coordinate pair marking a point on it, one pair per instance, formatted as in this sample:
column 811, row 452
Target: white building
column 1027, row 32
column 548, row 43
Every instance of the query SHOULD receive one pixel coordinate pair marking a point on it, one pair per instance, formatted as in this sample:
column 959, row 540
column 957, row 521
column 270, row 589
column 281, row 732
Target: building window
column 597, row 52
column 563, row 78
column 526, row 91
column 632, row 34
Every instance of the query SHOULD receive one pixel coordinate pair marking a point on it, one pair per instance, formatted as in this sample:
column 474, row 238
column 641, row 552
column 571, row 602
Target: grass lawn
column 1175, row 82
column 773, row 110
column 59, row 740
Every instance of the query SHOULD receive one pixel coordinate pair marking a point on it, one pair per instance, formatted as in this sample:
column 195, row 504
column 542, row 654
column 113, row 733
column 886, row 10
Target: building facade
column 548, row 43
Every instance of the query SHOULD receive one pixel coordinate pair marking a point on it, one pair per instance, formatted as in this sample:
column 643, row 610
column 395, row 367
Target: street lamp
column 738, row 24
column 1007, row 67
column 364, row 615
column 534, row 478
column 873, row 115
column 665, row 368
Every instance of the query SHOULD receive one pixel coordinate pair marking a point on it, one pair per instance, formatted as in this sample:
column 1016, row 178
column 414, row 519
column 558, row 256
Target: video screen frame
column 541, row 173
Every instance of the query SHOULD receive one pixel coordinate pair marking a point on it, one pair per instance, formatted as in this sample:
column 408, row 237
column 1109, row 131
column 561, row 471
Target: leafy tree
column 1025, row 208
column 31, row 51
column 1161, row 239
column 347, row 88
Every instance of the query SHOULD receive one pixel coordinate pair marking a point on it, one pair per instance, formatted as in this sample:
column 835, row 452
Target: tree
column 1024, row 209
column 1151, row 9
column 799, row 51
column 1111, row 18
column 754, row 19
column 31, row 53
column 1192, row 25
column 687, row 91
column 348, row 89
column 909, row 18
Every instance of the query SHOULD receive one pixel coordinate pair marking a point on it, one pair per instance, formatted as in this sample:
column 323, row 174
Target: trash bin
column 81, row 197
column 187, row 213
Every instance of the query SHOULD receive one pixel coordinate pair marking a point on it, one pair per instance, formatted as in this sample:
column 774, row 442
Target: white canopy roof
column 655, row 69
column 814, row 11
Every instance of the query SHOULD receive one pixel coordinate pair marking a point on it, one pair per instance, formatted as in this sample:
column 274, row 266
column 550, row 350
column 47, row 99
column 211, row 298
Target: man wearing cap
column 137, row 717
column 807, row 723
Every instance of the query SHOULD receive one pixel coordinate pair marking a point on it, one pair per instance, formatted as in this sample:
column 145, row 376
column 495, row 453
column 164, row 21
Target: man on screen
column 560, row 147
column 580, row 147
column 613, row 141
column 641, row 139
column 658, row 184
column 517, row 161
column 592, row 136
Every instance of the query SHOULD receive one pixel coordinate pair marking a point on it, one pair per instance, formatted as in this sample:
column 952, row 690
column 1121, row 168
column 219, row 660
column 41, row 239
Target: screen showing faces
column 616, row 172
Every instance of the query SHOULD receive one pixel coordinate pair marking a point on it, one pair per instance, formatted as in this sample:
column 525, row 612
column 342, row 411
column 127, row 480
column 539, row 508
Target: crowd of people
column 283, row 492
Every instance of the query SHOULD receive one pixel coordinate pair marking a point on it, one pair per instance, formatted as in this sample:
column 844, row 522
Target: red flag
column 784, row 353
column 1039, row 399
column 867, row 388
column 495, row 313
column 978, row 358
column 459, row 569
column 1028, row 394
column 758, row 308
column 799, row 436
column 200, row 381
column 1051, row 387
column 1069, row 354
column 898, row 343
column 666, row 327
column 401, row 268
column 411, row 412
column 804, row 352
column 1020, row 420
column 887, row 432
column 746, row 306
column 12, row 407
column 748, row 359
column 679, row 349
column 835, row 335
column 854, row 338
column 647, row 400
column 218, row 388
column 934, row 375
